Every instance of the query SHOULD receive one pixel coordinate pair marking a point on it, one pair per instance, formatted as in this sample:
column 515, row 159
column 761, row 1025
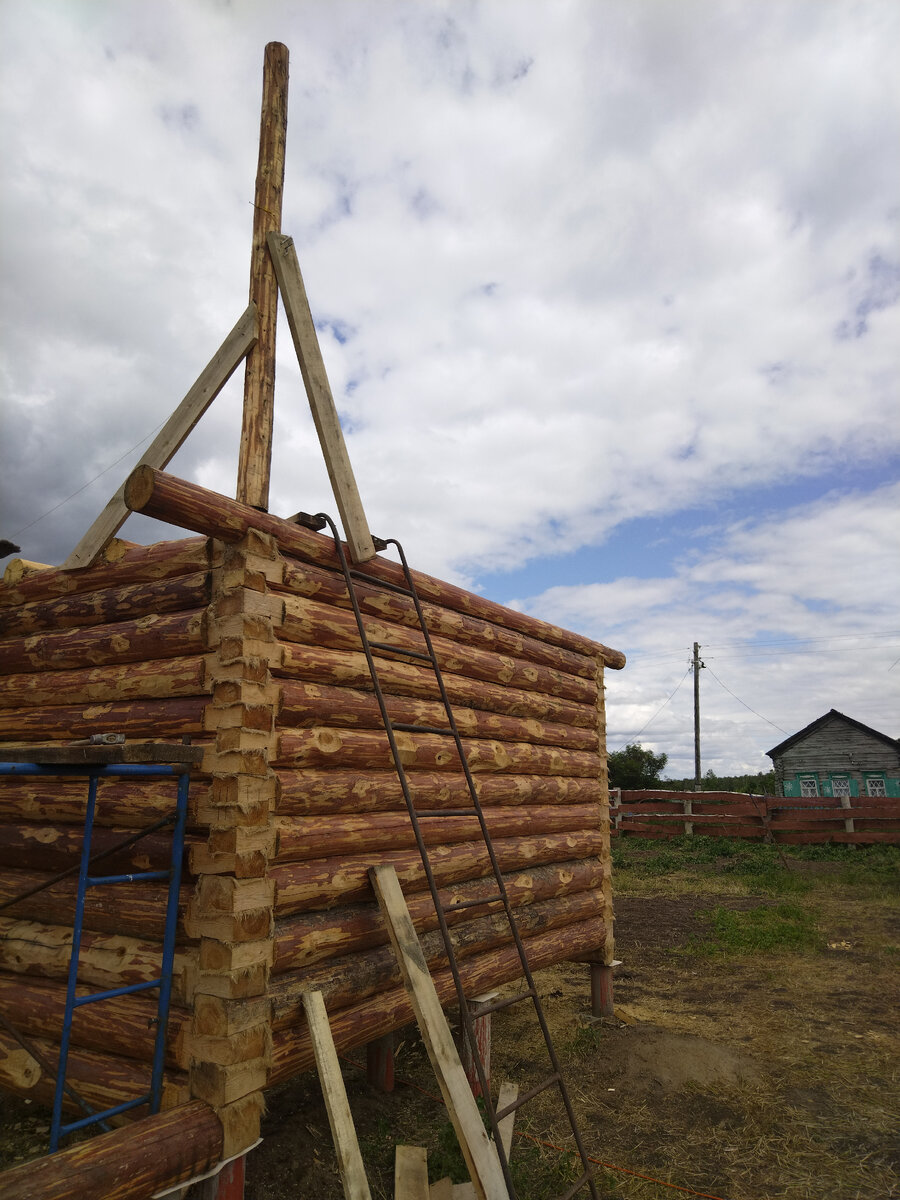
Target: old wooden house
column 837, row 756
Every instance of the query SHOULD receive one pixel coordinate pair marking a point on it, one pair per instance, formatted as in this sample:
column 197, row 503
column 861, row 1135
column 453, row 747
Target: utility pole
column 697, row 665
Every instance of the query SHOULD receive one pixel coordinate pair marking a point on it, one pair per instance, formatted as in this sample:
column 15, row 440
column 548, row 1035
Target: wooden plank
column 442, row 1190
column 411, row 1173
column 162, row 449
column 508, row 1093
column 255, row 456
column 321, row 401
column 477, row 1148
column 353, row 1174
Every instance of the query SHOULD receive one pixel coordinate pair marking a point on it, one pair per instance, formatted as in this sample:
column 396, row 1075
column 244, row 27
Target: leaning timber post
column 232, row 908
column 255, row 456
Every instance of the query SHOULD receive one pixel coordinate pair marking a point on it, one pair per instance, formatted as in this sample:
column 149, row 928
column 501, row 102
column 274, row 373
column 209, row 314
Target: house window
column 875, row 786
column 809, row 785
column 840, row 785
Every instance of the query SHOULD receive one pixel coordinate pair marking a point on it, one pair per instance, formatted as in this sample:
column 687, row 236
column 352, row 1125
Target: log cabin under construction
column 241, row 640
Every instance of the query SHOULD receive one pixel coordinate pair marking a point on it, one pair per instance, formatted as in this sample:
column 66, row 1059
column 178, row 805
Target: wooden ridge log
column 306, row 704
column 303, row 838
column 345, row 981
column 378, row 1015
column 136, row 908
column 348, row 668
column 311, row 937
column 19, row 1071
column 92, row 685
column 316, row 624
column 121, row 1025
column 131, row 1163
column 54, row 848
column 18, row 569
column 192, row 507
column 107, row 960
column 160, row 719
column 129, row 803
column 318, row 792
column 326, row 882
column 370, row 750
column 150, row 637
column 125, row 602
column 329, row 587
column 136, row 564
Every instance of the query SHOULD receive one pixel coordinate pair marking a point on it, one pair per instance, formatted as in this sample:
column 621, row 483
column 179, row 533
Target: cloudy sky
column 608, row 293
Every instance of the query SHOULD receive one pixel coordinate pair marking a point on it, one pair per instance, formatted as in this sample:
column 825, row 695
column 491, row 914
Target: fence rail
column 662, row 814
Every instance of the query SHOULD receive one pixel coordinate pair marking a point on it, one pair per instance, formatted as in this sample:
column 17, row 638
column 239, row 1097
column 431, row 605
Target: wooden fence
column 661, row 814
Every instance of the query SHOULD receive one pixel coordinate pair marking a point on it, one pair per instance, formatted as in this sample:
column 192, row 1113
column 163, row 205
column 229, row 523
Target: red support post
column 482, row 1028
column 602, row 990
column 380, row 1063
column 227, row 1185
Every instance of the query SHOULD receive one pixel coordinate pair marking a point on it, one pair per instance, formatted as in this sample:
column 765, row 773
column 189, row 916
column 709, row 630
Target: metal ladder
column 451, row 731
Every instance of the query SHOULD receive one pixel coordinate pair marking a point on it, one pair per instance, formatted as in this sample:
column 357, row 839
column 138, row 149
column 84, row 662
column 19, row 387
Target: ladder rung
column 400, row 650
column 112, row 992
column 578, row 1185
column 102, row 880
column 447, row 812
column 520, row 1100
column 404, row 728
column 381, row 583
column 472, row 903
column 508, row 1002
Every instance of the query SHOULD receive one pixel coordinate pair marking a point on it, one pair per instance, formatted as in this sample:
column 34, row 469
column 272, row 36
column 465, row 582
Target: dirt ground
column 741, row 1076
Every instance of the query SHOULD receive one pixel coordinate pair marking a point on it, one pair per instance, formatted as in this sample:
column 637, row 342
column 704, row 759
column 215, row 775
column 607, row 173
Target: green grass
column 767, row 928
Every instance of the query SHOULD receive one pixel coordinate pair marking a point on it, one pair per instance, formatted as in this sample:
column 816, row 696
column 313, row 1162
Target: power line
column 661, row 707
column 740, row 701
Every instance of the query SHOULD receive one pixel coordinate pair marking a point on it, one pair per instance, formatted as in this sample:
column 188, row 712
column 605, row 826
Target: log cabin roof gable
column 821, row 722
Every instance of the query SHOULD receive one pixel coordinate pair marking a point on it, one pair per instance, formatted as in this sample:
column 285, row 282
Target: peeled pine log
column 147, row 638
column 329, row 587
column 348, row 668
column 126, row 1164
column 365, row 750
column 19, row 1072
column 302, row 838
column 107, row 960
column 120, row 1025
column 193, row 507
column 137, row 564
column 157, row 719
column 125, row 602
column 304, row 704
column 344, row 981
column 137, row 909
column 314, row 792
column 378, row 1015
column 131, row 803
column 54, row 848
column 310, row 938
column 92, row 685
column 326, row 882
column 323, row 625
column 18, row 569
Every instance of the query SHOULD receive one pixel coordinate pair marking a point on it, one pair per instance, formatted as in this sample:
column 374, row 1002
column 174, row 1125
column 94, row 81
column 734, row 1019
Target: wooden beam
column 259, row 380
column 162, row 449
column 321, row 401
column 411, row 1173
column 477, row 1148
column 353, row 1173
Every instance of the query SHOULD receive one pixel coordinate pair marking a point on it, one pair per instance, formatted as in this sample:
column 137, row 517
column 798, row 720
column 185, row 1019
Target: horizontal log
column 121, row 1025
column 147, row 638
column 316, row 792
column 131, row 803
column 302, row 838
column 19, row 1070
column 324, row 883
column 306, row 704
column 301, row 941
column 107, row 960
column 315, row 624
column 348, row 980
column 19, row 568
column 193, row 507
column 97, row 685
column 58, row 847
column 124, row 602
column 132, row 564
column 329, row 587
column 127, row 1164
column 136, row 908
column 349, row 668
column 370, row 750
column 157, row 719
column 378, row 1015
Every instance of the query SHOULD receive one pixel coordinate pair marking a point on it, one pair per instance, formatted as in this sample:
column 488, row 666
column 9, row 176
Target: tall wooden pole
column 697, row 666
column 259, row 380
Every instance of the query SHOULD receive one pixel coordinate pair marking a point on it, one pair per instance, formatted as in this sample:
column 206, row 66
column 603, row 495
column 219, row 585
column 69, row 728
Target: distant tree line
column 636, row 767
